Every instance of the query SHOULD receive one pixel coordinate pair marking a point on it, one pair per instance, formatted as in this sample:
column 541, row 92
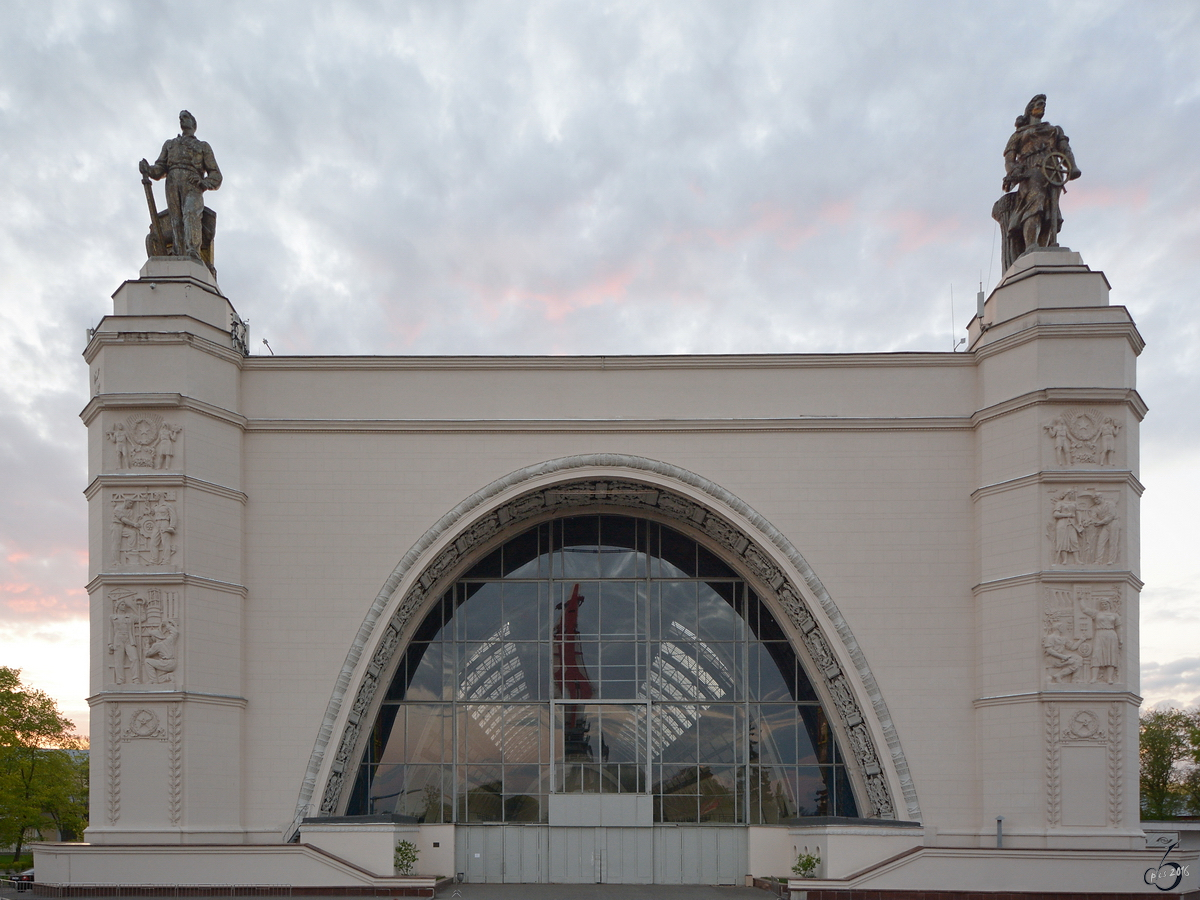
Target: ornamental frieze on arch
column 626, row 492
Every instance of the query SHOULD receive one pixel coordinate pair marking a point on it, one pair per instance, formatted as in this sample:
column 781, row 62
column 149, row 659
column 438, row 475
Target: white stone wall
column 921, row 488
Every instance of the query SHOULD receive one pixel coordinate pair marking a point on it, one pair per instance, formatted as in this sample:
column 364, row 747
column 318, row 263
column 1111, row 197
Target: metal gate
column 663, row 854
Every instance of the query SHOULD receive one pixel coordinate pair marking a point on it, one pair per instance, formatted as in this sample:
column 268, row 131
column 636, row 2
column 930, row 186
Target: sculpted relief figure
column 1063, row 657
column 1081, row 635
column 191, row 169
column 1108, row 441
column 1057, row 429
column 1083, row 437
column 121, row 442
column 1102, row 524
column 1106, row 644
column 144, row 635
column 124, row 644
column 1066, row 528
column 1038, row 162
column 123, row 532
column 164, row 450
column 1085, row 527
column 143, row 528
column 144, row 441
column 161, row 656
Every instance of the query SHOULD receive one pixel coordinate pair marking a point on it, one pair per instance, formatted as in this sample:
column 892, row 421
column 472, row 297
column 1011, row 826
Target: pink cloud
column 612, row 289
column 1105, row 196
column 44, row 584
column 916, row 229
column 558, row 304
column 769, row 219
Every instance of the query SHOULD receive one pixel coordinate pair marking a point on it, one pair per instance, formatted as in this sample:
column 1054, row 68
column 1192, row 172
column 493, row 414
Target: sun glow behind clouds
column 498, row 177
column 53, row 657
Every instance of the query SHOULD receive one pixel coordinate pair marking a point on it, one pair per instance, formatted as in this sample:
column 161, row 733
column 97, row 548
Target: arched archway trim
column 566, row 485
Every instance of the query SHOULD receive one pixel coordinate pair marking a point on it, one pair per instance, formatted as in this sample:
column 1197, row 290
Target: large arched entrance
column 629, row 636
column 601, row 654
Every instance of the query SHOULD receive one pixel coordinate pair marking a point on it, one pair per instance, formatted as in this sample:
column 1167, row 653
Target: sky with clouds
column 619, row 177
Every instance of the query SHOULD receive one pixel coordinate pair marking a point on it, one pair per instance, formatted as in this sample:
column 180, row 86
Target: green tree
column 43, row 766
column 1165, row 746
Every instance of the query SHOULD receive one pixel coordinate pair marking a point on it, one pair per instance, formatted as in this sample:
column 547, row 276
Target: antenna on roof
column 953, row 328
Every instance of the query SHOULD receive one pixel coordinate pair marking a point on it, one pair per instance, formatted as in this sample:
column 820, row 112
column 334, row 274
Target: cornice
column 1061, row 331
column 1059, row 576
column 1089, row 696
column 1063, row 476
column 575, row 426
column 1078, row 396
column 150, row 481
column 1036, row 271
column 149, row 401
column 166, row 697
column 116, row 338
column 675, row 361
column 189, row 280
column 163, row 579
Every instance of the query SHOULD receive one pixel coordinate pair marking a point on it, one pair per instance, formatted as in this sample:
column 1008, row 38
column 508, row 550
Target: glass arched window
column 601, row 654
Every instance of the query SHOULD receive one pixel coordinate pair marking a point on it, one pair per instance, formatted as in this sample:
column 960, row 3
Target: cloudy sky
column 618, row 177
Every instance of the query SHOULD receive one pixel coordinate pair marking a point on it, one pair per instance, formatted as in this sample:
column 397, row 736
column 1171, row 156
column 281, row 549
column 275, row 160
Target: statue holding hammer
column 191, row 169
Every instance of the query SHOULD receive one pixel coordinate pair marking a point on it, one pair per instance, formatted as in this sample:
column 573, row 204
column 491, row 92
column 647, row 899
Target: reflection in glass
column 602, row 654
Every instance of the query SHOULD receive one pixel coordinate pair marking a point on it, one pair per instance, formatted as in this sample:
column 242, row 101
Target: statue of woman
column 1066, row 528
column 1106, row 645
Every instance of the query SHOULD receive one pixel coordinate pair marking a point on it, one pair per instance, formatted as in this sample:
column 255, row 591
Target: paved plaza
column 600, row 892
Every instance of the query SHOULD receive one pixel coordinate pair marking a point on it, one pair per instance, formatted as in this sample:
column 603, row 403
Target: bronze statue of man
column 1038, row 162
column 191, row 169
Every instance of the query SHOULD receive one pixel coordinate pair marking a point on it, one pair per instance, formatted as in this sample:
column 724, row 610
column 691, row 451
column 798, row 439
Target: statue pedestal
column 169, row 287
column 1021, row 291
column 1056, row 364
column 166, row 576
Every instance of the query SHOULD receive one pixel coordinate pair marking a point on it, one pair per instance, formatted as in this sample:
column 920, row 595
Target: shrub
column 406, row 857
column 806, row 863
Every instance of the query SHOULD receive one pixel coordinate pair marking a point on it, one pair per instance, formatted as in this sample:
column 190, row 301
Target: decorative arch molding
column 565, row 485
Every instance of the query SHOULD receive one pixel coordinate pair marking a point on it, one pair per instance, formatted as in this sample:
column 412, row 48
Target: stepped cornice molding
column 150, row 401
column 1088, row 696
column 152, row 482
column 180, row 338
column 674, row 361
column 161, row 579
column 573, row 426
column 1075, row 396
column 1063, row 476
column 167, row 697
column 190, row 280
column 1060, row 576
column 1022, row 331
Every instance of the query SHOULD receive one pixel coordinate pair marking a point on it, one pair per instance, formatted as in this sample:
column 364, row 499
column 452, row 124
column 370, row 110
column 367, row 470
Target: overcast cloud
column 700, row 177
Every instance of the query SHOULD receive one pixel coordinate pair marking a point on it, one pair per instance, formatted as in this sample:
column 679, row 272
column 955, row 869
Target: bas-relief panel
column 1083, row 437
column 143, row 636
column 144, row 748
column 1084, row 527
column 1083, row 638
column 142, row 529
column 144, row 441
column 1084, row 762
